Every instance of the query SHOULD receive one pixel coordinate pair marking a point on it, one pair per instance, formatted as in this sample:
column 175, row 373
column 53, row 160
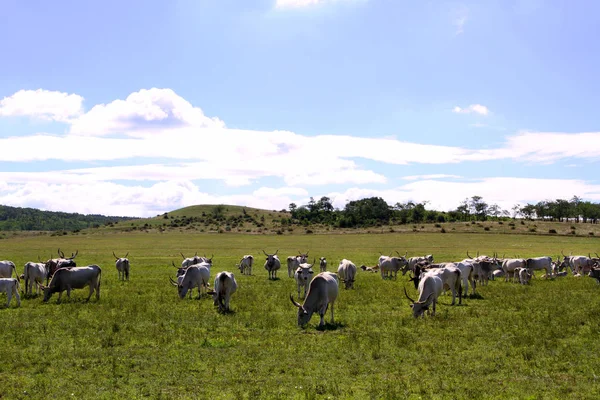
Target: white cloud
column 144, row 112
column 473, row 108
column 42, row 104
column 431, row 176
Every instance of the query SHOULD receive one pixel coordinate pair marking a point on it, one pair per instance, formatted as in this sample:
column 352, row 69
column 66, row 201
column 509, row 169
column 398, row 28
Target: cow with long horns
column 430, row 288
column 122, row 264
column 322, row 292
column 272, row 264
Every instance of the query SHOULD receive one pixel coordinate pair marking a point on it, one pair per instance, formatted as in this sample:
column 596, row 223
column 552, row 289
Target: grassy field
column 141, row 340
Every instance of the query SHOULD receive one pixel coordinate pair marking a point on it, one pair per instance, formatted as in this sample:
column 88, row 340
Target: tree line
column 31, row 219
column 375, row 211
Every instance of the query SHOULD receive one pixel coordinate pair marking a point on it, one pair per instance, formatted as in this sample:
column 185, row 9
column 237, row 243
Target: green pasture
column 141, row 341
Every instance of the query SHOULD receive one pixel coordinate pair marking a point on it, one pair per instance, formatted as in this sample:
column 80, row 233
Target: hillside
column 32, row 219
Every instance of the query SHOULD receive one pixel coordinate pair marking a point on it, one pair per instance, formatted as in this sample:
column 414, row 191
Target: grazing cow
column 10, row 286
column 6, row 269
column 322, row 292
column 388, row 265
column 225, row 286
column 62, row 262
column 122, row 265
column 451, row 278
column 196, row 275
column 34, row 274
column 595, row 273
column 466, row 268
column 246, row 264
column 303, row 276
column 347, row 273
column 430, row 288
column 322, row 264
column 577, row 264
column 510, row 264
column 539, row 263
column 74, row 278
column 272, row 264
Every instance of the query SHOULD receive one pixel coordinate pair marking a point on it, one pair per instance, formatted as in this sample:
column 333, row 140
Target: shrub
column 573, row 227
column 532, row 230
column 487, row 228
column 438, row 225
column 443, row 230
column 279, row 232
column 551, row 230
column 591, row 233
column 573, row 232
column 308, row 231
column 500, row 223
column 522, row 222
column 512, row 227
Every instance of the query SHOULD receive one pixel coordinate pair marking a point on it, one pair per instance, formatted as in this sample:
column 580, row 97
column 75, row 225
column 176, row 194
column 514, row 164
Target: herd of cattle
column 319, row 292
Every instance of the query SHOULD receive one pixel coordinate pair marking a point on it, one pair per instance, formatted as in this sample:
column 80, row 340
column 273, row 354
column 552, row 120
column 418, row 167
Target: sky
column 141, row 107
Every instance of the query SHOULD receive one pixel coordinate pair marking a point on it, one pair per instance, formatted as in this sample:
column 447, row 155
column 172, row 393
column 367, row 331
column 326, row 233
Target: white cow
column 430, row 288
column 413, row 261
column 122, row 264
column 451, row 278
column 509, row 265
column 225, row 286
column 7, row 268
column 196, row 275
column 187, row 261
column 524, row 276
column 74, row 278
column 347, row 273
column 466, row 268
column 272, row 264
column 34, row 274
column 577, row 264
column 539, row 263
column 10, row 286
column 388, row 265
column 322, row 264
column 322, row 292
column 303, row 276
column 246, row 264
column 293, row 262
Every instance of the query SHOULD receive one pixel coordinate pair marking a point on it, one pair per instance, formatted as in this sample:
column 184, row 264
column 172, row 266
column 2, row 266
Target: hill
column 32, row 219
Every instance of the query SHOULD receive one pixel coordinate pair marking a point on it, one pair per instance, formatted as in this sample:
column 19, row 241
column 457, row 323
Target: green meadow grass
column 140, row 340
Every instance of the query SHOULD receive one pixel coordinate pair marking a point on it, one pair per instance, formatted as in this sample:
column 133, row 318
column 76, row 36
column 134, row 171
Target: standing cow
column 10, row 286
column 122, row 265
column 322, row 264
column 34, row 274
column 7, row 268
column 303, row 276
column 245, row 265
column 272, row 264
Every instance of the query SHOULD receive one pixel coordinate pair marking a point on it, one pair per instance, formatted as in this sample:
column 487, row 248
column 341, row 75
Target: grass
column 141, row 340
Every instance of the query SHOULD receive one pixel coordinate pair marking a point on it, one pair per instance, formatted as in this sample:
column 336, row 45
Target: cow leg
column 59, row 296
column 8, row 297
column 16, row 292
column 434, row 302
column 91, row 291
column 332, row 313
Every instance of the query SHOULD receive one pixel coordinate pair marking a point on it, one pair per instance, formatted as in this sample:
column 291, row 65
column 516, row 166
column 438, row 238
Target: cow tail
column 15, row 269
column 26, row 276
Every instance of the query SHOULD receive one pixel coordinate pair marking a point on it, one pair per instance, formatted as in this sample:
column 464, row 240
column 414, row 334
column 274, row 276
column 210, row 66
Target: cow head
column 303, row 315
column 302, row 257
column 62, row 255
column 118, row 258
column 322, row 261
column 418, row 307
column 304, row 272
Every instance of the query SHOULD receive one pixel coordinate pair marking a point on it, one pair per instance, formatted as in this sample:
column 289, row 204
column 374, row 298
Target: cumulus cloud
column 473, row 108
column 42, row 104
column 143, row 112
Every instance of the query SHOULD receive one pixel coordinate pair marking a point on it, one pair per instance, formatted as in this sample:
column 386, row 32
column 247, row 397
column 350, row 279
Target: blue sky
column 141, row 107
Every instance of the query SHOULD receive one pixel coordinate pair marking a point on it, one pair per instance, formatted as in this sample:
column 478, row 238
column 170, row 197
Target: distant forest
column 375, row 211
column 31, row 219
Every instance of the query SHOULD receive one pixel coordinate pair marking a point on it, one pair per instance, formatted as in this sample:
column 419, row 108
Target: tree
column 478, row 207
column 494, row 210
column 463, row 209
column 528, row 211
column 292, row 207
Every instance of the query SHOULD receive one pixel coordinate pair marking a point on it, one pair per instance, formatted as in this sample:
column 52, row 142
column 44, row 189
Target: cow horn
column 182, row 255
column 74, row 255
column 596, row 254
column 397, row 253
column 173, row 264
column 406, row 254
column 115, row 255
column 173, row 282
column 195, row 254
column 294, row 302
column 561, row 252
column 60, row 254
column 265, row 253
column 468, row 254
column 126, row 255
column 406, row 293
column 276, row 252
column 307, row 253
column 427, row 299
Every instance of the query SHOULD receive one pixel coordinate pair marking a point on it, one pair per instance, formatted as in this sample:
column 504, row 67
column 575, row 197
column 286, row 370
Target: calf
column 347, row 273
column 246, row 264
column 225, row 286
column 122, row 265
column 10, row 286
column 322, row 292
column 524, row 276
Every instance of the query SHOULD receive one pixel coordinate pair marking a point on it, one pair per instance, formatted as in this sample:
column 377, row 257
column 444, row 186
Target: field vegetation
column 141, row 340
